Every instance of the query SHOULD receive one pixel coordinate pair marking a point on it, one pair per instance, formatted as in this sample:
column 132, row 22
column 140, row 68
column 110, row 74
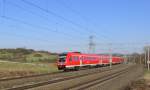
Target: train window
column 81, row 58
column 102, row 58
column 89, row 58
column 62, row 59
column 70, row 59
column 86, row 58
column 92, row 58
column 75, row 58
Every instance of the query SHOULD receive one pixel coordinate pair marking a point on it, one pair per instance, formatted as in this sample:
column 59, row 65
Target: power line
column 45, row 28
column 31, row 38
column 83, row 17
column 32, row 25
column 27, row 10
column 37, row 26
column 72, row 10
column 47, row 11
column 56, row 15
column 25, row 37
column 35, row 38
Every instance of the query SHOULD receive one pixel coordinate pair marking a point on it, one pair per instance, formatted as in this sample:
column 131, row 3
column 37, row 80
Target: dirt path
column 142, row 84
column 147, row 79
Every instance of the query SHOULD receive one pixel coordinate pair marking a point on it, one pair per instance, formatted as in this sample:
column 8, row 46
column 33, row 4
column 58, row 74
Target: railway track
column 10, row 82
column 74, row 83
column 101, row 80
column 74, row 75
column 31, row 82
column 28, row 76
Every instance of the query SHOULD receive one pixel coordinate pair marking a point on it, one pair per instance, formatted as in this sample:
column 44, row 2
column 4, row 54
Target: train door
column 74, row 60
column 70, row 63
column 81, row 60
column 100, row 60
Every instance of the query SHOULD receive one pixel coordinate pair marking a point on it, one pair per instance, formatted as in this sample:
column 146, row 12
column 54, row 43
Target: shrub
column 37, row 55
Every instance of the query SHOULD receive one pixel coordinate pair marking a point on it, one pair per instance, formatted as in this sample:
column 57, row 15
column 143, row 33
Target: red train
column 75, row 60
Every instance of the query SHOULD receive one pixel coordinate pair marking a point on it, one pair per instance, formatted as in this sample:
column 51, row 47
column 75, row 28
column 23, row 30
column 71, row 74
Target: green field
column 20, row 69
column 21, row 61
column 41, row 57
column 27, row 55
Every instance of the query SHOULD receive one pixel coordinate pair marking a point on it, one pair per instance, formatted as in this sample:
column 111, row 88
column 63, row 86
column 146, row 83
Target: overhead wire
column 45, row 28
column 63, row 18
column 43, row 40
column 35, row 38
column 57, row 15
column 84, row 18
column 25, row 37
column 16, row 20
column 26, row 23
column 33, row 13
column 36, row 26
column 20, row 21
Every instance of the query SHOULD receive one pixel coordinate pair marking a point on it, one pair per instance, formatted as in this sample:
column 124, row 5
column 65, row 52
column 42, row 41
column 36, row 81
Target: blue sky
column 65, row 25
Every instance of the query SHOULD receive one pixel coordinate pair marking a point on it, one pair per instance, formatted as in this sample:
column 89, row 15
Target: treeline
column 23, row 51
column 17, row 51
column 26, row 55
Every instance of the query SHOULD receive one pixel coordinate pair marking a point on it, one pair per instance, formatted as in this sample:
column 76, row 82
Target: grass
column 42, row 58
column 6, row 55
column 147, row 75
column 29, row 58
column 15, row 68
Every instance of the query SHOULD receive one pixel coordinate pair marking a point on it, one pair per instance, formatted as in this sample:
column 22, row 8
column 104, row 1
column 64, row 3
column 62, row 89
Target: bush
column 38, row 55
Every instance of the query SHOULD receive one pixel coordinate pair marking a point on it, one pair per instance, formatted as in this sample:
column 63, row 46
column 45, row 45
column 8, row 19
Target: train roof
column 79, row 53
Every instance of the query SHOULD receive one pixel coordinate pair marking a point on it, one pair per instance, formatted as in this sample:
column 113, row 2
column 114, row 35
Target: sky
column 66, row 25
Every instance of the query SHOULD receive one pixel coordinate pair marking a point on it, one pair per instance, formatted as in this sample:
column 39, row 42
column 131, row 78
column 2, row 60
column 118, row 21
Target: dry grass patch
column 10, row 69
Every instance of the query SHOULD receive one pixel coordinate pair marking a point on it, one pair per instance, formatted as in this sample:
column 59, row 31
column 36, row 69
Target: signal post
column 148, row 61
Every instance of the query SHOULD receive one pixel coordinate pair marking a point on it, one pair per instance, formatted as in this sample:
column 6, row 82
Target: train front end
column 61, row 63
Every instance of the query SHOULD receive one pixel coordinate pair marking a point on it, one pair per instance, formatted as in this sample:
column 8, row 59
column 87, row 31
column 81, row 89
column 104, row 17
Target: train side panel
column 74, row 60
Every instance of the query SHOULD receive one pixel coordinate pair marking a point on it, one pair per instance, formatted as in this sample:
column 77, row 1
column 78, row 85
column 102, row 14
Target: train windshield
column 62, row 58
